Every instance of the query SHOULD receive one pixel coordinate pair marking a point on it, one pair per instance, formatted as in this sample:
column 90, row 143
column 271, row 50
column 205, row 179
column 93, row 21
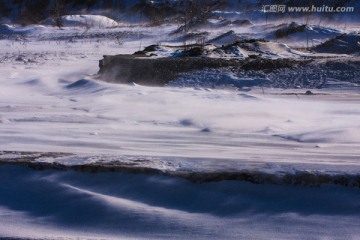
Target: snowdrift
column 6, row 29
column 89, row 21
column 226, row 38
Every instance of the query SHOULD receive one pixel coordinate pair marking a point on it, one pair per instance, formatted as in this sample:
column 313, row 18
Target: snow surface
column 51, row 101
column 68, row 205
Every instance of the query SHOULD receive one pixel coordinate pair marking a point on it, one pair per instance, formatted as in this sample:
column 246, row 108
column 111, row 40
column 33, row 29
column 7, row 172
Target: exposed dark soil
column 160, row 71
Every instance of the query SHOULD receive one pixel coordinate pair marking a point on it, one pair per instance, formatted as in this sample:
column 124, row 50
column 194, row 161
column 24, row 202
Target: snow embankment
column 197, row 170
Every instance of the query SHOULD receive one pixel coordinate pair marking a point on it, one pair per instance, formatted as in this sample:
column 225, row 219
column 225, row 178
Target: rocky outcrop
column 158, row 71
column 146, row 70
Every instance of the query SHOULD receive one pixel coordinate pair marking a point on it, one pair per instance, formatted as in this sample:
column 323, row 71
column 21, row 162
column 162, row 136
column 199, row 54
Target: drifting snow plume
column 85, row 86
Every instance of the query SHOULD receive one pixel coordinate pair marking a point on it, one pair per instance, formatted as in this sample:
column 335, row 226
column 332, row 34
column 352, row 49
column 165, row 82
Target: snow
column 237, row 49
column 226, row 38
column 90, row 21
column 7, row 29
column 51, row 101
column 311, row 36
column 153, row 122
column 132, row 206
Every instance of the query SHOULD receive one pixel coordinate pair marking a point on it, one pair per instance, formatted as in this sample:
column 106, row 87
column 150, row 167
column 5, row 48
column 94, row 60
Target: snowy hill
column 343, row 44
column 89, row 21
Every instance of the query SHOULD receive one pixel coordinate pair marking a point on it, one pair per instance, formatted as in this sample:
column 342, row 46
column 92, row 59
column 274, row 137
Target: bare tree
column 197, row 12
column 57, row 10
column 307, row 22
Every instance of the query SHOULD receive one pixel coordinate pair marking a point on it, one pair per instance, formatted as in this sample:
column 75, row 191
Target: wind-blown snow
column 48, row 204
column 51, row 101
column 90, row 116
column 6, row 29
